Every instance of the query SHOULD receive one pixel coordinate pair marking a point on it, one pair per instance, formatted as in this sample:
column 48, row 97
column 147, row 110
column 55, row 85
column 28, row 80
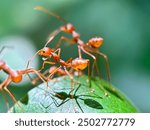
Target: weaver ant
column 14, row 76
column 65, row 97
column 90, row 48
column 77, row 64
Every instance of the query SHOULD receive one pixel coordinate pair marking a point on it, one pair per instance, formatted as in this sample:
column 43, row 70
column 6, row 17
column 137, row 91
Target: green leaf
column 58, row 97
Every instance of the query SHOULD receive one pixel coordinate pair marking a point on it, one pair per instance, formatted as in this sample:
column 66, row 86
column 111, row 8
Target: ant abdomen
column 80, row 64
column 95, row 42
column 16, row 77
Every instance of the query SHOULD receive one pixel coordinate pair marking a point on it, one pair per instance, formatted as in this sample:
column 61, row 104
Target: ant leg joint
column 105, row 56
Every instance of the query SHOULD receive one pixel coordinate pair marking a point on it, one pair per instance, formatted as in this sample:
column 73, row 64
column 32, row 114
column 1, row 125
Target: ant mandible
column 14, row 76
column 90, row 48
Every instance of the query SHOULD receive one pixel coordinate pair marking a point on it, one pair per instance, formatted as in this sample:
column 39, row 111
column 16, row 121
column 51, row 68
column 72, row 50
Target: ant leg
column 71, row 78
column 89, row 75
column 94, row 58
column 52, row 73
column 107, row 65
column 69, row 61
column 71, row 41
column 5, row 99
column 43, row 75
column 35, row 71
column 97, row 69
column 4, row 96
column 40, row 76
column 28, row 63
column 88, row 53
column 105, row 93
column 79, row 51
column 58, row 50
column 8, row 81
column 46, row 62
column 30, row 70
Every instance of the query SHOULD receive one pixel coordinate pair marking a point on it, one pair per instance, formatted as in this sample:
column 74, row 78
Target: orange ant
column 90, row 48
column 14, row 76
column 77, row 64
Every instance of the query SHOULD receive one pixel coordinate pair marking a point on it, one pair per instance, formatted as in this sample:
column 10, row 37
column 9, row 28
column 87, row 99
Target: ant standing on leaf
column 14, row 76
column 60, row 72
column 77, row 64
column 90, row 48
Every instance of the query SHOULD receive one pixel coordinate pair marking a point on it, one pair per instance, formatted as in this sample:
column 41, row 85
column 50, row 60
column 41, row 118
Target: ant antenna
column 40, row 8
column 4, row 47
column 32, row 58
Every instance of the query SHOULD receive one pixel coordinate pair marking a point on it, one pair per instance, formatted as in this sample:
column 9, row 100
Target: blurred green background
column 124, row 25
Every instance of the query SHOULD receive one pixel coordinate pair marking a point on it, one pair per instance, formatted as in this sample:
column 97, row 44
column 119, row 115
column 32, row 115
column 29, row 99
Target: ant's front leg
column 46, row 62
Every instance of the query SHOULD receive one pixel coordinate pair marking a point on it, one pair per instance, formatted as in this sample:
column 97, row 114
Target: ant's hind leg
column 10, row 94
column 97, row 69
column 89, row 75
column 3, row 94
column 5, row 99
column 107, row 65
column 71, row 77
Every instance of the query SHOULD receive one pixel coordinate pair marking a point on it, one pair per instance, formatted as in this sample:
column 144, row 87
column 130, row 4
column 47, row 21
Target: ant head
column 79, row 64
column 95, row 42
column 68, row 28
column 46, row 52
